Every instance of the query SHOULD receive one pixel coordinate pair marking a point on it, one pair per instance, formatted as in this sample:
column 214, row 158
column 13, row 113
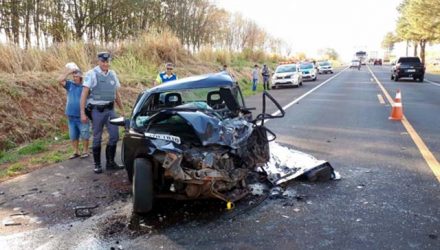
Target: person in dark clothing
column 266, row 75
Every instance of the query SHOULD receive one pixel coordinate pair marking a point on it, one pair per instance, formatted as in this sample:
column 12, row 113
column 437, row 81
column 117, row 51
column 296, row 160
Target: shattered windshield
column 208, row 100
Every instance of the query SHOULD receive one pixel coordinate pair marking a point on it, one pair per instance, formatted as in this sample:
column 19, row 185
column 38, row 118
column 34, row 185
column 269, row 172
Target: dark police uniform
column 101, row 101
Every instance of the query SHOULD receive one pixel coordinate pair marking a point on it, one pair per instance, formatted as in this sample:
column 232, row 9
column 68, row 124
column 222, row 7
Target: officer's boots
column 97, row 159
column 110, row 152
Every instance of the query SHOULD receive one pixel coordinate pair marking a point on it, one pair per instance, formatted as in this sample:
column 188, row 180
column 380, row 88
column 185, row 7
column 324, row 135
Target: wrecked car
column 193, row 138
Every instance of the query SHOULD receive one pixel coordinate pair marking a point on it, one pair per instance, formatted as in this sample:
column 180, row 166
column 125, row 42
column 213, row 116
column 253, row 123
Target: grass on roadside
column 36, row 147
column 12, row 170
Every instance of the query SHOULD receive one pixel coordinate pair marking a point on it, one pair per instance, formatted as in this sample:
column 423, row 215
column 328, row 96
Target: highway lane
column 433, row 78
column 388, row 197
column 421, row 105
column 287, row 94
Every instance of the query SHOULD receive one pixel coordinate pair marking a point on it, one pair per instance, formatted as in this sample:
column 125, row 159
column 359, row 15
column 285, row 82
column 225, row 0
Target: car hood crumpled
column 213, row 131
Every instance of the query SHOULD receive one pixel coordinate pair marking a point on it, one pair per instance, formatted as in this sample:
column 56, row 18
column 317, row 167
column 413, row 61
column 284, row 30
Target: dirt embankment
column 32, row 106
column 32, row 103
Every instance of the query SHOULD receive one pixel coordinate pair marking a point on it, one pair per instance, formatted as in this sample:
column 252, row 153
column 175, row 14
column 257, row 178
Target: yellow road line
column 429, row 157
column 381, row 100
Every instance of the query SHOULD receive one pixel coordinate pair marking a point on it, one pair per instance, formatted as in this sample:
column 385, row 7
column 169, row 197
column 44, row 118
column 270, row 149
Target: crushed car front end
column 193, row 139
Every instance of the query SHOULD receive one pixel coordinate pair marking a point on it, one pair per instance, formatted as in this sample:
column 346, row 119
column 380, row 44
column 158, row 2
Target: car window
column 286, row 69
column 306, row 66
column 409, row 60
column 200, row 99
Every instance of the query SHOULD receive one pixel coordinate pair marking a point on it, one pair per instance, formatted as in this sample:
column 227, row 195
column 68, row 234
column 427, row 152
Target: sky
column 310, row 25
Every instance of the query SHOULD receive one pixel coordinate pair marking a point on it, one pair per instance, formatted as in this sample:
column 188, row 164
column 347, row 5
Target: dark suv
column 193, row 138
column 408, row 67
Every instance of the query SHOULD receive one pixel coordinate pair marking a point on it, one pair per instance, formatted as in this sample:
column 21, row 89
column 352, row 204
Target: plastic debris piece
column 84, row 211
column 276, row 192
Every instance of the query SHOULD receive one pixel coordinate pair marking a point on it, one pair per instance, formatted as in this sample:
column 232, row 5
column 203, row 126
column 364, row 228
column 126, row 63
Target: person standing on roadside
column 255, row 77
column 101, row 91
column 166, row 76
column 77, row 129
column 266, row 74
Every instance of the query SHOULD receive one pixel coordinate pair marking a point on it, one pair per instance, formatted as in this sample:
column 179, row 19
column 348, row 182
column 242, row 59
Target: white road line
column 306, row 94
column 381, row 100
column 433, row 83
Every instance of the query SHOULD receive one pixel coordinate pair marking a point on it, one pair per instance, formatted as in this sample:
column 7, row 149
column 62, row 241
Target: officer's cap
column 104, row 56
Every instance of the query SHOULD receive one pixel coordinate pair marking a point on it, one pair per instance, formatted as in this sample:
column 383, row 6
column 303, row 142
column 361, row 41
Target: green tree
column 419, row 21
column 388, row 41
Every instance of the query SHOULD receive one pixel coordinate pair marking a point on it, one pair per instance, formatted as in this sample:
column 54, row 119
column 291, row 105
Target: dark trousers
column 101, row 119
column 266, row 82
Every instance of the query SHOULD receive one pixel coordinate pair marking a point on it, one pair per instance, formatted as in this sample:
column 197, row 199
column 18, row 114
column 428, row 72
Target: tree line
column 418, row 24
column 196, row 23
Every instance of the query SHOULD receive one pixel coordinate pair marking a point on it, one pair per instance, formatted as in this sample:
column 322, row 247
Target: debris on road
column 286, row 164
column 84, row 211
column 22, row 213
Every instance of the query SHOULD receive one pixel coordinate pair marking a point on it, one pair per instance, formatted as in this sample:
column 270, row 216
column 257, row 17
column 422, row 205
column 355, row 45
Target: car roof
column 289, row 64
column 222, row 79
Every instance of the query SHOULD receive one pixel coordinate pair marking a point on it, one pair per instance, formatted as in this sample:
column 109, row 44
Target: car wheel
column 142, row 186
column 331, row 72
column 314, row 79
column 396, row 78
column 421, row 79
column 273, row 87
column 392, row 77
column 300, row 83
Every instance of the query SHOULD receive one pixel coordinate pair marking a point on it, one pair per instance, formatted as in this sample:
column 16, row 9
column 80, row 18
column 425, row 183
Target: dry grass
column 32, row 102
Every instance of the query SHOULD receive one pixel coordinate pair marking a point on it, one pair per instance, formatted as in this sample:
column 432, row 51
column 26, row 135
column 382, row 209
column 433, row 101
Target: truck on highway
column 362, row 57
column 408, row 67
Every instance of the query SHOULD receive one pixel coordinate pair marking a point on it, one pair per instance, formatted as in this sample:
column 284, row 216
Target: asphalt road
column 388, row 197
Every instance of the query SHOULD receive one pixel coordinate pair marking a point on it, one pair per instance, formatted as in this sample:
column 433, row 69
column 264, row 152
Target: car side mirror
column 120, row 121
column 263, row 116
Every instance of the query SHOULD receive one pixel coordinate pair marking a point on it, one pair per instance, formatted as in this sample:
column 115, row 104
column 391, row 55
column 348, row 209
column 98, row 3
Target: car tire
column 396, row 78
column 143, row 194
column 421, row 79
column 301, row 83
column 314, row 79
column 331, row 72
column 392, row 77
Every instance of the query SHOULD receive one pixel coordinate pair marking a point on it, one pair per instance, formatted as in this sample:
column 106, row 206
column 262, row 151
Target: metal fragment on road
column 286, row 164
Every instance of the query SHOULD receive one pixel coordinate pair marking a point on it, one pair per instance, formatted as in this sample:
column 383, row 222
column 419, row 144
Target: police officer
column 167, row 75
column 101, row 91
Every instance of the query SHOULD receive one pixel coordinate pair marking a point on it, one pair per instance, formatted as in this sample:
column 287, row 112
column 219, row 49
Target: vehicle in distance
column 410, row 67
column 377, row 61
column 286, row 75
column 325, row 67
column 193, row 138
column 308, row 71
column 362, row 56
column 355, row 63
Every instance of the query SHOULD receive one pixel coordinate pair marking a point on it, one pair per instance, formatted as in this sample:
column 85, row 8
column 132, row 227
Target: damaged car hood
column 210, row 129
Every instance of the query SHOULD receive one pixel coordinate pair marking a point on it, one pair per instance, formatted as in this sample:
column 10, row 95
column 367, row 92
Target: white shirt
column 90, row 82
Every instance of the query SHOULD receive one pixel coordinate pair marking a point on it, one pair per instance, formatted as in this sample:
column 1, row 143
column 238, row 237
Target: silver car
column 286, row 75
